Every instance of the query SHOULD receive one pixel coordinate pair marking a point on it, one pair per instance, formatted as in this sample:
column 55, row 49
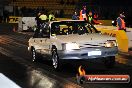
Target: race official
column 43, row 18
column 121, row 23
column 83, row 15
column 90, row 18
column 51, row 17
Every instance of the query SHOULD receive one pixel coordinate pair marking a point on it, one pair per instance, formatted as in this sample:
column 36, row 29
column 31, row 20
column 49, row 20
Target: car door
column 45, row 46
column 48, row 46
column 36, row 41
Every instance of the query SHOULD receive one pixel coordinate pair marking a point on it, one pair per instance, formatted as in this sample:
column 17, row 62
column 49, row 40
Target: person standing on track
column 90, row 17
column 51, row 16
column 38, row 24
column 121, row 23
column 43, row 18
column 38, row 19
column 83, row 14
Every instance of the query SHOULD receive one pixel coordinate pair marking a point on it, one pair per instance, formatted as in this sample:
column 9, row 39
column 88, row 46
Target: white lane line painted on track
column 5, row 82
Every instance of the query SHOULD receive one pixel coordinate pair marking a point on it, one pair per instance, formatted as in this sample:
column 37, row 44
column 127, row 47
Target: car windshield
column 72, row 27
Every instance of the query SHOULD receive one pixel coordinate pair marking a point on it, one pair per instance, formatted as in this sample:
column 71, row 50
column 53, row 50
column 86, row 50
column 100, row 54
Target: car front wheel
column 34, row 55
column 55, row 60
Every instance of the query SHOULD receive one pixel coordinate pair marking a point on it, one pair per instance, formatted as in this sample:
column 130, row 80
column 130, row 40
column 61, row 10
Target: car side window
column 55, row 28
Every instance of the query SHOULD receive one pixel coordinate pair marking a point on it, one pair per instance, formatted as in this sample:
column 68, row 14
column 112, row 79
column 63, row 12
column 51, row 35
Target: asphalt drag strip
column 41, row 74
column 19, row 70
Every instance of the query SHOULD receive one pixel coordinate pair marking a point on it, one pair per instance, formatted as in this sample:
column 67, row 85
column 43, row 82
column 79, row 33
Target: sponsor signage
column 13, row 19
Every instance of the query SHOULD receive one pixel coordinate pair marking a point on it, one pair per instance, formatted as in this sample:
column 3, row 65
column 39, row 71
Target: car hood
column 93, row 39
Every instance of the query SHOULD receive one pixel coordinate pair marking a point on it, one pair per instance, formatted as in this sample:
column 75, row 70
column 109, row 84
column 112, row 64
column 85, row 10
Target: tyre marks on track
column 40, row 78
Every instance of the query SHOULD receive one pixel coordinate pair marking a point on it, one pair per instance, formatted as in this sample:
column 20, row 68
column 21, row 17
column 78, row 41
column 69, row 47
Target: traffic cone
column 14, row 29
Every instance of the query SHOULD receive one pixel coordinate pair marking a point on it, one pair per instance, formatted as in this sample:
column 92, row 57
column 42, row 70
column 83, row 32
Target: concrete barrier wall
column 129, row 34
column 106, row 22
column 28, row 22
column 124, row 38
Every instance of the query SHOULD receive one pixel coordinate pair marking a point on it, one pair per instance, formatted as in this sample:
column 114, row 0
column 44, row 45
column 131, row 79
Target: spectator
column 75, row 16
column 57, row 13
column 95, row 17
column 61, row 13
column 6, row 16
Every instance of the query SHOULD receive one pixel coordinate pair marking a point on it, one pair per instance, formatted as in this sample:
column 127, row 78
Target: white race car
column 68, row 40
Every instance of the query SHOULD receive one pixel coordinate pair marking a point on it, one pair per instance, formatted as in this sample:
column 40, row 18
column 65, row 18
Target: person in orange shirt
column 121, row 23
column 83, row 15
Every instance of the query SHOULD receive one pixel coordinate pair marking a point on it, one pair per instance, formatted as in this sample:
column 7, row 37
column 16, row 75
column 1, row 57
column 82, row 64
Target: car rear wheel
column 55, row 60
column 34, row 55
column 109, row 62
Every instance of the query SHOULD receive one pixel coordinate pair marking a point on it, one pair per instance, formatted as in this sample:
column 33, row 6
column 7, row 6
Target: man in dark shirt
column 38, row 24
column 75, row 16
column 38, row 19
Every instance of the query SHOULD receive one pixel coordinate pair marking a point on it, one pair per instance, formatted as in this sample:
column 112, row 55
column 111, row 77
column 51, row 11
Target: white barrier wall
column 129, row 34
column 26, row 22
column 20, row 24
column 7, row 83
